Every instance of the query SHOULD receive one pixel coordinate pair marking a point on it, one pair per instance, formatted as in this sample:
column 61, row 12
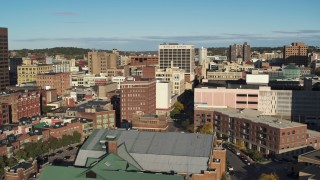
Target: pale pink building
column 234, row 98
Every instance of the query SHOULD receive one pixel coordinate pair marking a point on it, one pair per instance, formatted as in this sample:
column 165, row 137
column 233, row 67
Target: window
column 293, row 132
column 283, row 133
column 288, row 133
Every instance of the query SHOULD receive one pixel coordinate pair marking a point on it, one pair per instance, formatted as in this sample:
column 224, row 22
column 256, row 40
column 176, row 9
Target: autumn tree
column 179, row 106
column 271, row 176
column 206, row 129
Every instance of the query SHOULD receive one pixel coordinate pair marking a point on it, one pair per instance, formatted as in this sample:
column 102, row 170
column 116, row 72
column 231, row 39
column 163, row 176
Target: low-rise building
column 225, row 75
column 23, row 170
column 28, row 73
column 269, row 135
column 149, row 122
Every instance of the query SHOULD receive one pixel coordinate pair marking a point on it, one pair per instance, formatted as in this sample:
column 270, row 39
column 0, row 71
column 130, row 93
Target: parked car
column 66, row 157
column 60, row 151
column 70, row 148
column 230, row 168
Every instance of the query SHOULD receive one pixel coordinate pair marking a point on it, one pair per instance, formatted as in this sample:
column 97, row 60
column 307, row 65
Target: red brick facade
column 144, row 60
column 59, row 81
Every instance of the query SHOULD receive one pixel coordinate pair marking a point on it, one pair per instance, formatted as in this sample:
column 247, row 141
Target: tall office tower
column 239, row 53
column 4, row 62
column 176, row 55
column 296, row 53
column 137, row 96
column 203, row 53
column 100, row 62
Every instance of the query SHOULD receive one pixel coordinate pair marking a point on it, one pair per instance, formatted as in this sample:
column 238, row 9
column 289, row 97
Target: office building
column 175, row 55
column 59, row 81
column 4, row 63
column 240, row 53
column 296, row 53
column 28, row 73
column 99, row 62
column 137, row 96
column 13, row 72
column 173, row 75
column 144, row 60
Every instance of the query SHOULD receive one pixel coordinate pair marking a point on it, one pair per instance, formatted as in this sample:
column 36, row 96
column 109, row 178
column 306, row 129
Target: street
column 245, row 172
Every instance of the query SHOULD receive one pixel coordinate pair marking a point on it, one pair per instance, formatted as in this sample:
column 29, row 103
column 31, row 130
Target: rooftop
column 253, row 115
column 154, row 151
column 311, row 157
column 23, row 165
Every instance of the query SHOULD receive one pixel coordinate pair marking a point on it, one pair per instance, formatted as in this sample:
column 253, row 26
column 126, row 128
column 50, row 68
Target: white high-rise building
column 203, row 54
column 176, row 55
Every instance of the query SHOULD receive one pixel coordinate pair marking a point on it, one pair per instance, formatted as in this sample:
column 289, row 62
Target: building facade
column 59, row 81
column 240, row 53
column 225, row 75
column 265, row 134
column 99, row 62
column 144, row 60
column 4, row 55
column 175, row 55
column 14, row 63
column 173, row 75
column 28, row 73
column 296, row 53
column 137, row 96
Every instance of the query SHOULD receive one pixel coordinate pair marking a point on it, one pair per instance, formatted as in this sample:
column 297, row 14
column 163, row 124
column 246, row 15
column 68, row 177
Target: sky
column 137, row 25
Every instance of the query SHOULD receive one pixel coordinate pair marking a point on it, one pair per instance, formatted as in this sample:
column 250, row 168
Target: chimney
column 111, row 146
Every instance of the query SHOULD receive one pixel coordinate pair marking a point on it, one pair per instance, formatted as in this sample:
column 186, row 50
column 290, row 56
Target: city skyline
column 143, row 25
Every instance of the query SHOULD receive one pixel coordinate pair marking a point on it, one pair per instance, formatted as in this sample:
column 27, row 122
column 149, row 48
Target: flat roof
column 253, row 115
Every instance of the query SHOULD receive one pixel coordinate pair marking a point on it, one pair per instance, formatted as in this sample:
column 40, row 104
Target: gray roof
column 154, row 151
column 254, row 116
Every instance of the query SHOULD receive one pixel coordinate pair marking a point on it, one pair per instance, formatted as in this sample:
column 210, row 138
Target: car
column 230, row 168
column 52, row 154
column 60, row 151
column 66, row 157
column 70, row 148
column 238, row 153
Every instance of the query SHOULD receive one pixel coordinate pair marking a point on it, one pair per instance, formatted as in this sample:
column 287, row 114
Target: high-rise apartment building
column 240, row 53
column 4, row 63
column 100, row 62
column 137, row 96
column 176, row 55
column 296, row 53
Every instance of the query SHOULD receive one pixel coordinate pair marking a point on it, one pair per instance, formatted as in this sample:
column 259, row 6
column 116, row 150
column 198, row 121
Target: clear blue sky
column 143, row 24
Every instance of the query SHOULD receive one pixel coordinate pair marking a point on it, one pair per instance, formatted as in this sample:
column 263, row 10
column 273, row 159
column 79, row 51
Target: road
column 245, row 172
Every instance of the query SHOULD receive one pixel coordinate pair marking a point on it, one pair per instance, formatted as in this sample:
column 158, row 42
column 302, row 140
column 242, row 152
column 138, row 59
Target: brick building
column 148, row 72
column 137, row 96
column 149, row 122
column 296, row 53
column 59, row 81
column 99, row 62
column 266, row 134
column 23, row 170
column 18, row 104
column 143, row 60
column 28, row 73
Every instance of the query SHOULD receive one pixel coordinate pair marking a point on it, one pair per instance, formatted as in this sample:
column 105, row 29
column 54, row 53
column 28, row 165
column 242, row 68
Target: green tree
column 11, row 161
column 174, row 112
column 185, row 123
column 206, row 129
column 271, row 176
column 76, row 137
column 22, row 154
column 224, row 176
column 178, row 105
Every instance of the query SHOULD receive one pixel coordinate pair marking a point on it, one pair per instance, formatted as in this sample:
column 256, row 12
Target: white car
column 230, row 168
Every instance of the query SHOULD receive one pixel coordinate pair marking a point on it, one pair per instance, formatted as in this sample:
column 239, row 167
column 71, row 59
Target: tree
column 76, row 137
column 206, row 129
column 271, row 176
column 224, row 176
column 185, row 123
column 178, row 105
column 174, row 112
column 22, row 154
column 241, row 145
column 258, row 156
